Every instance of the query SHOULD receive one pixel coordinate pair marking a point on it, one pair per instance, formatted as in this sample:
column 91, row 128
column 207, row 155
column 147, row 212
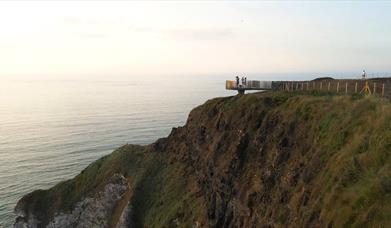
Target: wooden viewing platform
column 248, row 85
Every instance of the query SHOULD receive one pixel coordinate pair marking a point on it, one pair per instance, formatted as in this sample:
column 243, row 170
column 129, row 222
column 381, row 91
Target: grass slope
column 351, row 138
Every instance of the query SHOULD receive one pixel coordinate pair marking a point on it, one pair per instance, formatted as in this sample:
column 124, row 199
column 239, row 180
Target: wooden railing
column 379, row 87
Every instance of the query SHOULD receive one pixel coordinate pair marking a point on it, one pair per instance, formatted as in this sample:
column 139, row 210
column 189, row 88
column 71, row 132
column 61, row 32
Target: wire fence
column 378, row 87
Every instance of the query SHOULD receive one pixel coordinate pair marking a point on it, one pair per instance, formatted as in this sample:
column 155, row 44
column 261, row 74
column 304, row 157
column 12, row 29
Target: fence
column 378, row 87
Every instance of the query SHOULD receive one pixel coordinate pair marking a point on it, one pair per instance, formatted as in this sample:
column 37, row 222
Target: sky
column 101, row 38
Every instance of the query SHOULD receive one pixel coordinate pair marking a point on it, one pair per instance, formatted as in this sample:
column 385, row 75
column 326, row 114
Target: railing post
column 320, row 85
column 346, row 87
column 355, row 88
column 328, row 87
column 374, row 88
column 337, row 87
column 382, row 91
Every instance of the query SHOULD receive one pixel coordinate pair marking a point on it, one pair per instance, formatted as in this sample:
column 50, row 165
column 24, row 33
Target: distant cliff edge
column 273, row 159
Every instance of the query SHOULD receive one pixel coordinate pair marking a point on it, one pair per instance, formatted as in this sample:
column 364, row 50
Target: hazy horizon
column 97, row 39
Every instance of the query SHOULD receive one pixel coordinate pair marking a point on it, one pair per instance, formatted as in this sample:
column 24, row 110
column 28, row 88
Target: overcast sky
column 160, row 38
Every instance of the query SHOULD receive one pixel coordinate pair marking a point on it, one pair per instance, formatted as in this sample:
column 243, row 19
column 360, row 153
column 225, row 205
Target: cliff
column 258, row 160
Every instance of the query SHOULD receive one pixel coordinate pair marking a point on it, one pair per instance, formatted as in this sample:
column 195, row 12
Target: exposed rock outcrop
column 95, row 211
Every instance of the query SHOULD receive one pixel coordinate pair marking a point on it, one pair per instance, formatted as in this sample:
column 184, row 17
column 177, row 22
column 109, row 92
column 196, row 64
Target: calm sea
column 52, row 129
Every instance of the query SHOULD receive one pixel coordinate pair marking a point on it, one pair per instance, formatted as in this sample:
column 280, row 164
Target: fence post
column 307, row 85
column 355, row 88
column 337, row 87
column 320, row 85
column 382, row 91
column 328, row 87
column 302, row 86
column 374, row 88
column 346, row 87
column 297, row 86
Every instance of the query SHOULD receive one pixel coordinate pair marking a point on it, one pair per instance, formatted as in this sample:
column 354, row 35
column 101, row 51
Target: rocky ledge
column 95, row 211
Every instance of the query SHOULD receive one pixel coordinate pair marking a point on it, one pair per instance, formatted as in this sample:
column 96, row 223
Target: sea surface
column 51, row 129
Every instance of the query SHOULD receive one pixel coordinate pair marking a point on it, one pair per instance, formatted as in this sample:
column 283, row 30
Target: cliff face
column 258, row 160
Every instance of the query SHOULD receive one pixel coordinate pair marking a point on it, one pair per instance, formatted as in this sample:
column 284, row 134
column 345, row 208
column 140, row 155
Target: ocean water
column 51, row 129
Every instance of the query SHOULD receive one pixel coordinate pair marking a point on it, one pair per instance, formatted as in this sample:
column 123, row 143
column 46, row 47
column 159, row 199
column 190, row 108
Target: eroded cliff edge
column 258, row 160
